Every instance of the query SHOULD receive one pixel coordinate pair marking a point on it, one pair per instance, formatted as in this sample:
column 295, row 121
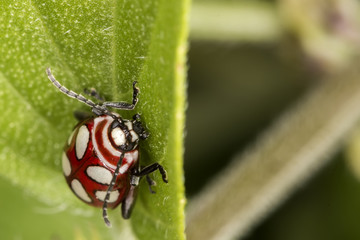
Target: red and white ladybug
column 101, row 158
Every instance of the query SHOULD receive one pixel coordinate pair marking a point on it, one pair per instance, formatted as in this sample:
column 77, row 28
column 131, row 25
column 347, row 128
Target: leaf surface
column 106, row 45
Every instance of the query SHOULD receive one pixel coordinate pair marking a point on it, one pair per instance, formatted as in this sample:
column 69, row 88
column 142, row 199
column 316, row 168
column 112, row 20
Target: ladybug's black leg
column 152, row 168
column 107, row 197
column 138, row 127
column 125, row 105
column 82, row 115
column 150, row 183
column 129, row 202
column 93, row 93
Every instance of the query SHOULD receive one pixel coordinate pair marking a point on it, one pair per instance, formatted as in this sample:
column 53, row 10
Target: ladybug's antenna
column 68, row 92
column 98, row 109
column 107, row 197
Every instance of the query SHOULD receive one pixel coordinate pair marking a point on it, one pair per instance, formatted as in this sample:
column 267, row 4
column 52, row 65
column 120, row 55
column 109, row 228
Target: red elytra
column 100, row 159
column 94, row 166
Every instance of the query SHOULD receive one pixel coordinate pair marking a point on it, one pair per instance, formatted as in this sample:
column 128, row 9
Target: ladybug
column 101, row 157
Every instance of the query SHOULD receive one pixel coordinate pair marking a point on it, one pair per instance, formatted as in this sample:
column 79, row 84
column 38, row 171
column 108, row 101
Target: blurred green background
column 251, row 63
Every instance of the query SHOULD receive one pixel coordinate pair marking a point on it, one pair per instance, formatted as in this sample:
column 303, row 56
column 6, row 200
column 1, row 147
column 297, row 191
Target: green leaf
column 101, row 44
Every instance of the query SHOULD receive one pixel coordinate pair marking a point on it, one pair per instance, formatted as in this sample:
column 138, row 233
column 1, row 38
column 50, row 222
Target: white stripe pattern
column 105, row 140
column 130, row 157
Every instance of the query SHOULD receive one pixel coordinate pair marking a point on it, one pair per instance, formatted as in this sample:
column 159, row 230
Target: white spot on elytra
column 66, row 165
column 114, row 195
column 99, row 174
column 118, row 136
column 79, row 190
column 82, row 140
column 71, row 137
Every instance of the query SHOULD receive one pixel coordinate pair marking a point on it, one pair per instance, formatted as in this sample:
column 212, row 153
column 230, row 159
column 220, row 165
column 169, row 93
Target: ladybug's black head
column 124, row 134
column 138, row 127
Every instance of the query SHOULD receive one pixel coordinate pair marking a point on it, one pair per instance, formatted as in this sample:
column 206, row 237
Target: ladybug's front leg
column 129, row 202
column 125, row 105
column 152, row 168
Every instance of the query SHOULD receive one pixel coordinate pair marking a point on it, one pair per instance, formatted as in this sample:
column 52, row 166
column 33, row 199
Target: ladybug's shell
column 89, row 161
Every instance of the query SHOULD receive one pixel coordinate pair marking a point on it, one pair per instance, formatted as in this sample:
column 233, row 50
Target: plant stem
column 286, row 156
column 233, row 21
